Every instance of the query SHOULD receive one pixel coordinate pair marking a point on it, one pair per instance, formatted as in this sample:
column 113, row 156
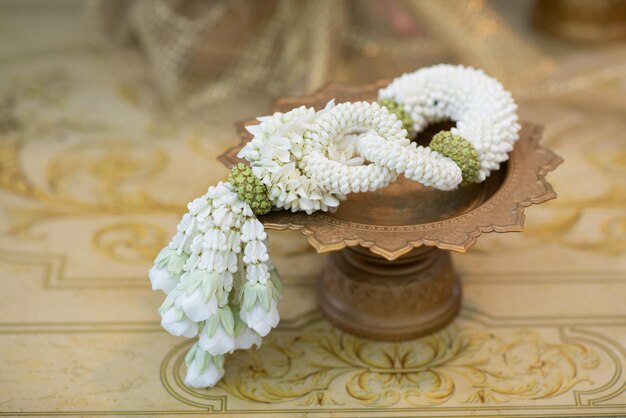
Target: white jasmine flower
column 195, row 306
column 227, row 278
column 218, row 261
column 247, row 338
column 252, row 229
column 306, row 205
column 199, row 294
column 258, row 307
column 203, row 370
column 215, row 239
column 223, row 217
column 255, row 251
column 344, row 149
column 176, row 323
column 218, row 343
column 229, row 199
column 168, row 266
column 233, row 241
column 162, row 279
column 218, row 335
column 208, row 377
column 257, row 272
column 199, row 207
column 276, row 146
column 238, row 206
column 259, row 319
column 230, row 261
column 185, row 222
column 329, row 200
column 284, row 174
column 217, row 192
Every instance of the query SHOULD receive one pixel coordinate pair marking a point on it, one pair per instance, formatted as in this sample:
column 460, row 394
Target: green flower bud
column 402, row 115
column 459, row 150
column 250, row 189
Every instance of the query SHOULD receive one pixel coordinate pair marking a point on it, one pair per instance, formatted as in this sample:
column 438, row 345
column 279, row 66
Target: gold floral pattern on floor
column 316, row 364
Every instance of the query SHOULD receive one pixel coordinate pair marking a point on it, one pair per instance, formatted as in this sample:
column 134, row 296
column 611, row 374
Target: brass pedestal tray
column 390, row 275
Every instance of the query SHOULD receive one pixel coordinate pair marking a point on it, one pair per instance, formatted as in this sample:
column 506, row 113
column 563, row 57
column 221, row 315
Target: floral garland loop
column 216, row 272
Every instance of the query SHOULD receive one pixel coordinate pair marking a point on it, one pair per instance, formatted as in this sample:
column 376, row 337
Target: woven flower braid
column 485, row 113
column 382, row 140
column 220, row 283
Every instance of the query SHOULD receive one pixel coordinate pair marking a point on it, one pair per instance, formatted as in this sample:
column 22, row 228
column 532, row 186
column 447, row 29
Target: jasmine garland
column 216, row 272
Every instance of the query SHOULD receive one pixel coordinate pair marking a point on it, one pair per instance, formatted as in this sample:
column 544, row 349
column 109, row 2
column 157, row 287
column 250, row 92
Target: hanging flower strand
column 219, row 282
column 216, row 272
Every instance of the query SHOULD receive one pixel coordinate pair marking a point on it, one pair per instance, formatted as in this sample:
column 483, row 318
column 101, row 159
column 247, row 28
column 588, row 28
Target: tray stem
column 370, row 296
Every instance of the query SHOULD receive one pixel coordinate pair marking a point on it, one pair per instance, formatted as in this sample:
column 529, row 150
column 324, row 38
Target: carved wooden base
column 370, row 296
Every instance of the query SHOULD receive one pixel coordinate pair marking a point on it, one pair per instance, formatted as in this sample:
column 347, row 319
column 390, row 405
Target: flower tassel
column 219, row 280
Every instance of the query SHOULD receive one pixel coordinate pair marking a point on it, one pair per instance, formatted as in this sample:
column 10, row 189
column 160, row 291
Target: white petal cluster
column 167, row 269
column 259, row 316
column 274, row 152
column 217, row 253
column 259, row 296
column 203, row 370
column 484, row 111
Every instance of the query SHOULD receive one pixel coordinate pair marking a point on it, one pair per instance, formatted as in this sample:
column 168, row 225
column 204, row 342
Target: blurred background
column 190, row 55
column 199, row 53
column 112, row 114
